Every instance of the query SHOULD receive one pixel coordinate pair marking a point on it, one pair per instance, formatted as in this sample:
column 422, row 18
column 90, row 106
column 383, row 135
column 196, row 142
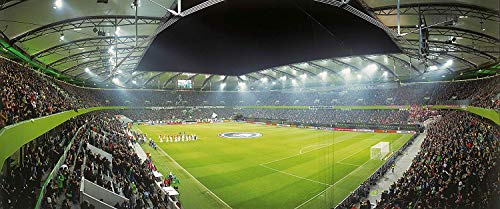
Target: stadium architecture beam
column 463, row 60
column 346, row 64
column 101, row 21
column 284, row 73
column 387, row 69
column 434, row 62
column 10, row 3
column 124, row 68
column 135, row 76
column 454, row 48
column 405, row 63
column 89, row 54
column 451, row 31
column 450, row 9
column 302, row 70
column 153, row 77
column 205, row 82
column 84, row 64
column 171, row 79
column 104, row 67
column 326, row 68
column 97, row 42
column 266, row 75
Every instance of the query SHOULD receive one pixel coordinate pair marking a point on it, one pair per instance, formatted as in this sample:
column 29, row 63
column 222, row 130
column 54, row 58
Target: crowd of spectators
column 19, row 187
column 125, row 175
column 481, row 92
column 457, row 167
column 305, row 116
column 26, row 94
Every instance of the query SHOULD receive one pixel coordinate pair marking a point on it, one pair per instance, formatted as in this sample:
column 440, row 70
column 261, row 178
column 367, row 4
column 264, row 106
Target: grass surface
column 285, row 168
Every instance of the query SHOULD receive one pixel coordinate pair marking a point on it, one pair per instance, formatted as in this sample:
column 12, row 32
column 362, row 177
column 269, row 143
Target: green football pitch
column 284, row 168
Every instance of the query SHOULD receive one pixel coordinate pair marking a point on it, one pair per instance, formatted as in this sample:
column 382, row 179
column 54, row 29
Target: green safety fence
column 15, row 136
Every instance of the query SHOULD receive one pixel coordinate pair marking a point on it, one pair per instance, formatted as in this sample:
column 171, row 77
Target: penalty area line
column 314, row 197
column 290, row 174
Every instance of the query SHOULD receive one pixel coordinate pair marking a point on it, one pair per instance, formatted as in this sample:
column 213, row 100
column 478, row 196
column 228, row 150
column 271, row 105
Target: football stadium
column 250, row 104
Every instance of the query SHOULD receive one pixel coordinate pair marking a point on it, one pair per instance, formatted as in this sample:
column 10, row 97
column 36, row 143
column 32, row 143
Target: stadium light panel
column 87, row 70
column 134, row 82
column 346, row 71
column 448, row 63
column 117, row 31
column 371, row 68
column 58, row 4
column 323, row 74
column 433, row 67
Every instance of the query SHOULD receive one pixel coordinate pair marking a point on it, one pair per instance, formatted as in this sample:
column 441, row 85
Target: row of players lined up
column 181, row 137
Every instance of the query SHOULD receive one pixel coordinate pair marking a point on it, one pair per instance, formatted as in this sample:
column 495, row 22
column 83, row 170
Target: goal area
column 380, row 150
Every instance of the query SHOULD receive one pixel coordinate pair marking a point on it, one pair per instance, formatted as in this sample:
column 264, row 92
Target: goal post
column 380, row 150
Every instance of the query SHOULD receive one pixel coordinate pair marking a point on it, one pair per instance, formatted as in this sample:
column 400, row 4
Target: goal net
column 380, row 150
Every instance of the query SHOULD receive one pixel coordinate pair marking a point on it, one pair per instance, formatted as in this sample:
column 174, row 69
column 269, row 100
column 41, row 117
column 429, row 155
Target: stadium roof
column 84, row 40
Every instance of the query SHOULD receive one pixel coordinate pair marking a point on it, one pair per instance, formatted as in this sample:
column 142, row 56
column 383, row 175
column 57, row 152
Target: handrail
column 56, row 168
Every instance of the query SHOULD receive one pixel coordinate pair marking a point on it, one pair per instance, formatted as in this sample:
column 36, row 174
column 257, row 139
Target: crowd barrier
column 100, row 197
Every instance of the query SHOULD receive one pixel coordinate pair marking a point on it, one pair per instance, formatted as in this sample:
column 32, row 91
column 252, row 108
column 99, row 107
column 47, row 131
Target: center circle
column 240, row 135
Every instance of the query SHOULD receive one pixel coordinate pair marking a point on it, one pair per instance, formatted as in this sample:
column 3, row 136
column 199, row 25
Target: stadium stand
column 453, row 169
column 27, row 94
column 481, row 92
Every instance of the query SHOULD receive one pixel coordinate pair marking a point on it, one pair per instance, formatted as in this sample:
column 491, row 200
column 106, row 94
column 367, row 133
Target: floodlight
column 58, row 4
column 448, row 63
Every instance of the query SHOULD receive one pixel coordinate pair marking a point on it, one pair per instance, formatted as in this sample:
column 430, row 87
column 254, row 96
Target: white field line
column 349, row 156
column 314, row 197
column 314, row 145
column 348, row 164
column 301, row 153
column 359, row 152
column 196, row 180
column 300, row 177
